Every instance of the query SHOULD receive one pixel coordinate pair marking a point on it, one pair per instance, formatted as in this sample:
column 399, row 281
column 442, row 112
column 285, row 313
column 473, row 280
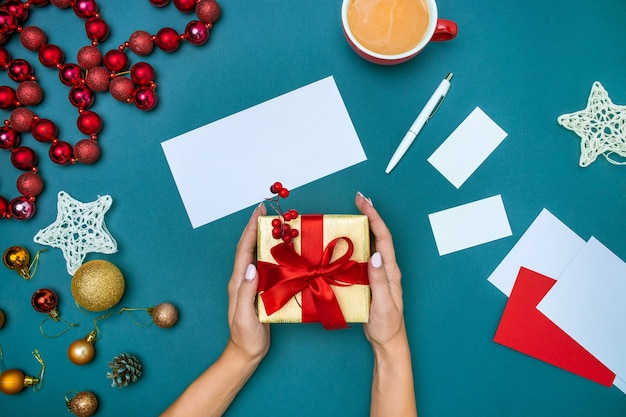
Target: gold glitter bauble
column 164, row 315
column 84, row 404
column 98, row 285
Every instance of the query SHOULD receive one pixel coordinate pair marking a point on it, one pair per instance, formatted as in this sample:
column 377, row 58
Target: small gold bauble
column 1, row 319
column 12, row 381
column 17, row 258
column 98, row 285
column 81, row 352
column 164, row 315
column 84, row 404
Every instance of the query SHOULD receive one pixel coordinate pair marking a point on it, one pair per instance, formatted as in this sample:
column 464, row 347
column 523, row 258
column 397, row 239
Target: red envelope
column 525, row 329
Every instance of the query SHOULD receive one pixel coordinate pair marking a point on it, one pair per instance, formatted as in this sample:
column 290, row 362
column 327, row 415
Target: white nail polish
column 369, row 200
column 376, row 260
column 250, row 272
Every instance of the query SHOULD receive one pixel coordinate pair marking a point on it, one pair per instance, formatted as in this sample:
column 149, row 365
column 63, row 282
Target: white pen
column 427, row 112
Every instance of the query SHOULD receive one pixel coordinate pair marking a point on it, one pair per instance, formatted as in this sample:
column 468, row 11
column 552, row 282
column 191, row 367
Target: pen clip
column 435, row 109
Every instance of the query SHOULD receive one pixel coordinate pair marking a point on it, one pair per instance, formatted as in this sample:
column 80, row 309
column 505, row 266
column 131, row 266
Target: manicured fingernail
column 250, row 272
column 376, row 260
column 259, row 206
column 369, row 200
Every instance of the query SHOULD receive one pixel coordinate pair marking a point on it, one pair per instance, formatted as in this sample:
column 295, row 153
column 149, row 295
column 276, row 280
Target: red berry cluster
column 280, row 228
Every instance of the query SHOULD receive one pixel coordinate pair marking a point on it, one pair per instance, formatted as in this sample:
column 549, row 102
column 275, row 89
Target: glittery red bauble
column 141, row 43
column 8, row 22
column 97, row 29
column 9, row 137
column 142, row 73
column 44, row 300
column 98, row 79
column 51, row 55
column 44, row 130
column 85, row 8
column 167, row 39
column 89, row 57
column 70, row 74
column 29, row 184
column 82, row 96
column 87, row 151
column 4, row 207
column 122, row 88
column 159, row 3
column 115, row 60
column 22, row 119
column 89, row 123
column 208, row 11
column 19, row 70
column 197, row 33
column 33, row 38
column 29, row 93
column 5, row 57
column 8, row 98
column 61, row 153
column 23, row 158
column 145, row 99
column 62, row 4
column 22, row 208
column 185, row 6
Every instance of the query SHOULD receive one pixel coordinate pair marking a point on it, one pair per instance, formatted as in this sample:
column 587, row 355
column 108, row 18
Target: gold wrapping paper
column 353, row 300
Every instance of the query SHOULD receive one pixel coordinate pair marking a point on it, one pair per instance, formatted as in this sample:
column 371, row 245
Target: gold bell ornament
column 164, row 315
column 13, row 381
column 82, row 351
column 98, row 285
column 45, row 300
column 17, row 258
column 82, row 404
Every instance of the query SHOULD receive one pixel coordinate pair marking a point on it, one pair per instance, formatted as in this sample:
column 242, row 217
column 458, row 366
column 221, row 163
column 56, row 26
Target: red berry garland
column 280, row 228
column 94, row 73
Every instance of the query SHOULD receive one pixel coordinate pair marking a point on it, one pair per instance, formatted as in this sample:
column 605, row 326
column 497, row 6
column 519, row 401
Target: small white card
column 295, row 138
column 470, row 225
column 588, row 303
column 467, row 147
column 548, row 246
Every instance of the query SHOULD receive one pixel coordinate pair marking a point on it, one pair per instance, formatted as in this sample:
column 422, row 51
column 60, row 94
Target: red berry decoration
column 280, row 229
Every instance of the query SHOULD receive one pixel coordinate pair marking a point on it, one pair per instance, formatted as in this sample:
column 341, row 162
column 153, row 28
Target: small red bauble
column 208, row 11
column 160, row 3
column 115, row 60
column 98, row 79
column 62, row 4
column 4, row 207
column 44, row 300
column 167, row 39
column 82, row 97
column 23, row 158
column 197, row 33
column 141, row 43
column 44, row 130
column 17, row 9
column 89, row 57
column 33, row 38
column 8, row 98
column 22, row 208
column 122, row 88
column 51, row 56
column 8, row 22
column 19, row 70
column 185, row 6
column 97, row 29
column 145, row 98
column 142, row 73
column 39, row 3
column 87, row 151
column 61, row 153
column 89, row 123
column 5, row 57
column 85, row 8
column 29, row 93
column 9, row 137
column 22, row 119
column 29, row 184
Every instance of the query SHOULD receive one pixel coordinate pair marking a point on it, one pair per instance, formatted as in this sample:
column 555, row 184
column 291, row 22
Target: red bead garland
column 94, row 72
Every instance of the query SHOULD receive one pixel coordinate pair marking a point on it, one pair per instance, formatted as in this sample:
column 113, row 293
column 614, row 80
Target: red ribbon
column 311, row 273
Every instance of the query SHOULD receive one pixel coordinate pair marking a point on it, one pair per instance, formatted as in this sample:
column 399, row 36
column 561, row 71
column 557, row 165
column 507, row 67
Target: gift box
column 322, row 278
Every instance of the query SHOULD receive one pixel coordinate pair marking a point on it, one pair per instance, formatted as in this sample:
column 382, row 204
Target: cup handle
column 445, row 30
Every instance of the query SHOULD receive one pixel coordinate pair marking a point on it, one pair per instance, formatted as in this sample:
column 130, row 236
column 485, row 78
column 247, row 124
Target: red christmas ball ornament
column 44, row 130
column 70, row 74
column 39, row 3
column 51, row 55
column 29, row 184
column 33, row 38
column 17, row 9
column 122, row 88
column 167, row 39
column 9, row 137
column 62, row 4
column 8, row 98
column 208, row 11
column 142, row 73
column 22, row 208
column 4, row 207
column 89, row 123
column 45, row 300
column 5, row 57
column 8, row 22
column 98, row 79
column 196, row 32
column 115, row 60
column 23, row 158
column 61, row 152
column 22, row 119
column 141, row 43
column 97, row 29
column 29, row 93
column 87, row 151
column 159, row 3
column 145, row 98
column 185, row 6
column 89, row 57
column 19, row 70
column 82, row 97
column 85, row 8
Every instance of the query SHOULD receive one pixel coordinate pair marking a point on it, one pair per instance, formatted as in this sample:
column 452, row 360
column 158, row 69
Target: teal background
column 524, row 63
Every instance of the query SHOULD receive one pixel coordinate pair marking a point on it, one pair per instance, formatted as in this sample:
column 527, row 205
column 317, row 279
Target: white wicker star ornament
column 601, row 127
column 79, row 229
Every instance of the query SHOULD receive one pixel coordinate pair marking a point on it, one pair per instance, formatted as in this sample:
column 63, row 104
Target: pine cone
column 125, row 368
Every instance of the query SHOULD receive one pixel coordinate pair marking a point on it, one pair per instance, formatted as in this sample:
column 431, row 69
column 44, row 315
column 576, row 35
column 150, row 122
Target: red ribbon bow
column 311, row 273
